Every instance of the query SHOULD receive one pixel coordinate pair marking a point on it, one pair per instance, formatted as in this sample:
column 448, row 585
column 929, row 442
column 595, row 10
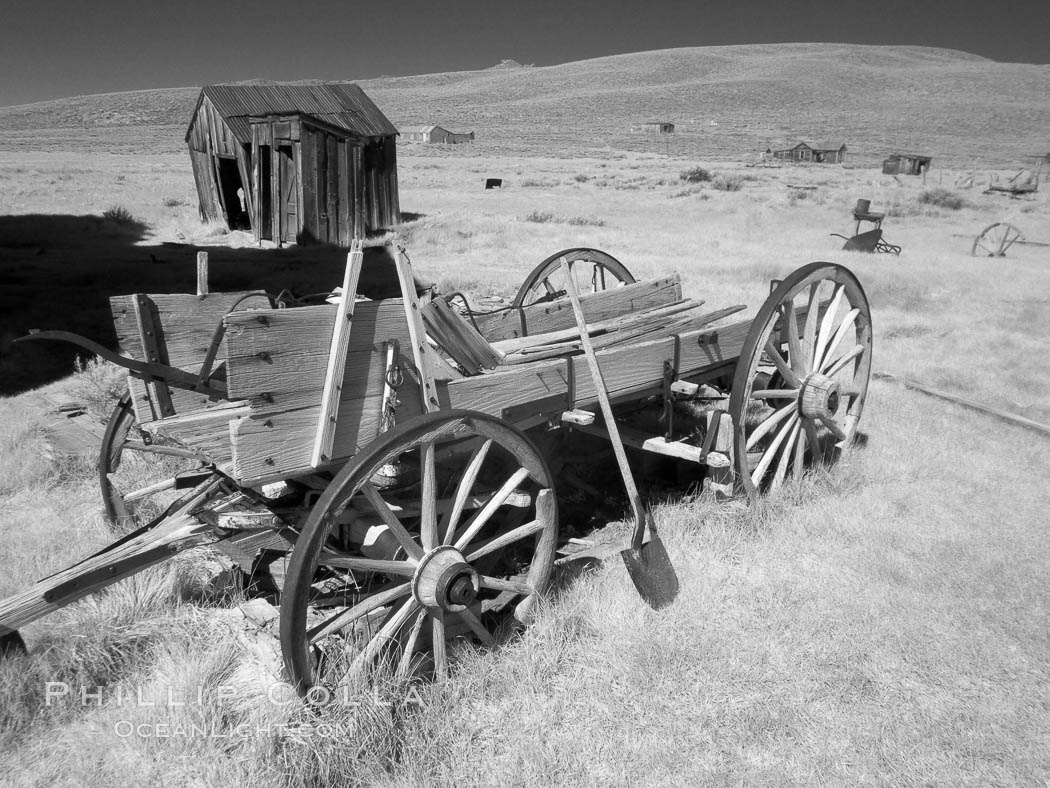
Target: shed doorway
column 233, row 196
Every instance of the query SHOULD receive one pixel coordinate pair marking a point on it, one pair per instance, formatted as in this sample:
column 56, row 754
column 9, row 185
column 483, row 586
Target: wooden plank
column 286, row 353
column 421, row 353
column 603, row 306
column 202, row 273
column 656, row 444
column 458, row 338
column 277, row 445
column 152, row 344
column 188, row 323
column 331, row 177
column 345, row 202
column 334, row 373
column 360, row 228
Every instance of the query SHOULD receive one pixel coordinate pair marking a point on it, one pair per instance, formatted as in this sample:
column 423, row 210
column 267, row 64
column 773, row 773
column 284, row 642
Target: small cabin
column 436, row 134
column 906, row 164
column 819, row 153
column 657, row 127
column 294, row 163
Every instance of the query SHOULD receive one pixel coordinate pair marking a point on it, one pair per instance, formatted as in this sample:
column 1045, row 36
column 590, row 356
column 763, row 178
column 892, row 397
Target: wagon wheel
column 433, row 533
column 592, row 270
column 138, row 479
column 797, row 395
column 995, row 239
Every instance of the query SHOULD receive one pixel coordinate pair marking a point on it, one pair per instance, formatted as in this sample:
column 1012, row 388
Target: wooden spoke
column 789, row 325
column 350, row 615
column 386, row 514
column 812, row 438
column 404, row 665
column 516, row 585
column 837, row 365
column 770, row 453
column 760, row 431
column 847, row 324
column 503, row 540
column 472, row 621
column 782, row 365
column 466, row 484
column 826, row 325
column 437, row 631
column 785, row 454
column 809, row 335
column 798, row 467
column 775, row 394
column 356, row 564
column 834, row 428
column 477, row 522
column 384, row 636
column 428, row 528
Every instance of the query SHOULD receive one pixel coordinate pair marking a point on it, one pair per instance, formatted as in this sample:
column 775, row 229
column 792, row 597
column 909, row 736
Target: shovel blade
column 652, row 573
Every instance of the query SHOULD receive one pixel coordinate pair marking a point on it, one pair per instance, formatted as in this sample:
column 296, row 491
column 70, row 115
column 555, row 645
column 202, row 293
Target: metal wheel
column 592, row 270
column 797, row 394
column 433, row 533
column 995, row 239
column 139, row 476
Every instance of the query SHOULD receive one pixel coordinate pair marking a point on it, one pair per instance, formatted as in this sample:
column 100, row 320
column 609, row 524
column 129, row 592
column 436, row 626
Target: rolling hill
column 728, row 103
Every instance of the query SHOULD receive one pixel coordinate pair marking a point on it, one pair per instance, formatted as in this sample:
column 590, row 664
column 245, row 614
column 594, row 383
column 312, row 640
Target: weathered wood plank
column 557, row 315
column 188, row 323
column 286, row 353
column 268, row 446
column 335, row 370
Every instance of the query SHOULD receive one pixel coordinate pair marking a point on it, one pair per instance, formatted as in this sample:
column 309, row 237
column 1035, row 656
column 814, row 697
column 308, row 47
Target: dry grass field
column 883, row 622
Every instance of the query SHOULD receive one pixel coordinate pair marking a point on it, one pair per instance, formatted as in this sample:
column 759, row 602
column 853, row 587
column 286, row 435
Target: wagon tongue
column 647, row 563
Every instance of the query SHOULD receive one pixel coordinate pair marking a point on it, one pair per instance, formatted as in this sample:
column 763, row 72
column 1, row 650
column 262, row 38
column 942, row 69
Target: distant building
column 657, row 127
column 294, row 163
column 906, row 164
column 436, row 134
column 820, row 153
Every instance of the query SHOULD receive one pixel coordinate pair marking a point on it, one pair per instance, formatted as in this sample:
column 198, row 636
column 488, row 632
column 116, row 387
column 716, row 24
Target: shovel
column 647, row 563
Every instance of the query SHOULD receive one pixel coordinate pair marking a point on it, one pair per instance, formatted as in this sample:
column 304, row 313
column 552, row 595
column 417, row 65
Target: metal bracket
column 554, row 404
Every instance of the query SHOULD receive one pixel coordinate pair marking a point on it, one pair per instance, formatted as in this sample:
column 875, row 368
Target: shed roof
column 340, row 104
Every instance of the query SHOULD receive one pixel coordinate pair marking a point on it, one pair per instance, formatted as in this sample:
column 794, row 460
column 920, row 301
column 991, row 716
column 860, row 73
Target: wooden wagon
column 393, row 457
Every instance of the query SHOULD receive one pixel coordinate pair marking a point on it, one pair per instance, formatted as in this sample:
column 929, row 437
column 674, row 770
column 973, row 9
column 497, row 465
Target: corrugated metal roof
column 343, row 105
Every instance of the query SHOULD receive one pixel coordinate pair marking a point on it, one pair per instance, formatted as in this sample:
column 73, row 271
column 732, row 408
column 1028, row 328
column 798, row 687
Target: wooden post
column 720, row 460
column 202, row 273
column 333, row 381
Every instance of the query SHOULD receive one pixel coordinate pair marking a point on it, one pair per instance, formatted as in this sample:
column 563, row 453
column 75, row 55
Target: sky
column 59, row 48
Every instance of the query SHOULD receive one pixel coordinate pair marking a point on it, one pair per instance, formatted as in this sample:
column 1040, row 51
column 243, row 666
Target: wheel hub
column 445, row 580
column 818, row 397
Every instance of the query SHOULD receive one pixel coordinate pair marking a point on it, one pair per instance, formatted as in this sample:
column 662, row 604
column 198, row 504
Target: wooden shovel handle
column 603, row 400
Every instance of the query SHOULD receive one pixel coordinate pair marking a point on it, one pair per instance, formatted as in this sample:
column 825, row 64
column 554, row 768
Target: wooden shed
column 657, row 127
column 906, row 164
column 436, row 134
column 821, row 152
column 294, row 163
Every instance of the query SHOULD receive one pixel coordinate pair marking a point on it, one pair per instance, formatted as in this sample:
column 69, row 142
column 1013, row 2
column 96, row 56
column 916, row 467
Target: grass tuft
column 942, row 198
column 696, row 175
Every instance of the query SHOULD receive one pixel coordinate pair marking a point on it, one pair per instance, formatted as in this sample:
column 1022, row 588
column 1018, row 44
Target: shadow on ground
column 58, row 272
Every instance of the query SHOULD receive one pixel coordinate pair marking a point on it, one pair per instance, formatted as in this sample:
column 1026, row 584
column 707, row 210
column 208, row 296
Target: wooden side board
column 557, row 315
column 188, row 324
